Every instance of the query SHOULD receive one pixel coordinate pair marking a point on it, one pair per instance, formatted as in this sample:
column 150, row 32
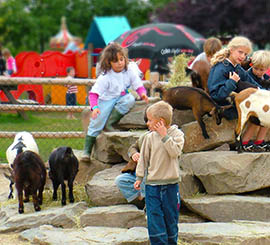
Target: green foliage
column 178, row 72
column 28, row 25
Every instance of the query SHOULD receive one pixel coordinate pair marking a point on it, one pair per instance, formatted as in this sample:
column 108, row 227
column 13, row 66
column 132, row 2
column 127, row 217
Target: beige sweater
column 159, row 157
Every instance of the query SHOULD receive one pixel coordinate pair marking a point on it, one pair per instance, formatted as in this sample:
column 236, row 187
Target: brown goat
column 195, row 99
column 30, row 177
column 199, row 75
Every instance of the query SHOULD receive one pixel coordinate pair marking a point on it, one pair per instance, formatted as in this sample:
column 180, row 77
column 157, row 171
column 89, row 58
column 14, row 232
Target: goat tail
column 231, row 97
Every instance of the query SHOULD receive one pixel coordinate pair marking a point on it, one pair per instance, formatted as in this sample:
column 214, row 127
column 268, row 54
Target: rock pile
column 225, row 195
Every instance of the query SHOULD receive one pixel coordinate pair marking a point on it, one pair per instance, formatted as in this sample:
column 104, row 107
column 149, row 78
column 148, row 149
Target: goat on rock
column 64, row 165
column 30, row 177
column 23, row 141
column 251, row 102
column 195, row 99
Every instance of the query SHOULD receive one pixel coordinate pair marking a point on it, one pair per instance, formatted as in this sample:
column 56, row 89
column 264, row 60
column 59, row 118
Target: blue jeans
column 71, row 99
column 162, row 208
column 125, row 183
column 122, row 104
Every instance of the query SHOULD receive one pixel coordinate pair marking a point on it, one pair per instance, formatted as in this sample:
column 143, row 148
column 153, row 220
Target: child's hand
column 95, row 113
column 160, row 128
column 137, row 185
column 234, row 76
column 135, row 157
column 145, row 98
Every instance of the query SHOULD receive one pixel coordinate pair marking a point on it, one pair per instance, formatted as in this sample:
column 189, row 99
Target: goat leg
column 35, row 201
column 40, row 194
column 70, row 193
column 20, row 198
column 64, row 199
column 11, row 189
column 203, row 128
column 55, row 187
column 26, row 194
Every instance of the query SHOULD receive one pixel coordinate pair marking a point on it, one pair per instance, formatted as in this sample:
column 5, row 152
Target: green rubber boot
column 114, row 118
column 88, row 145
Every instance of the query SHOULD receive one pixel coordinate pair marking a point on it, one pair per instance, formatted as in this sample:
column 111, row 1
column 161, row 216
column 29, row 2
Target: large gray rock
column 219, row 134
column 102, row 190
column 123, row 216
column 226, row 208
column 64, row 217
column 135, row 117
column 113, row 147
column 48, row 234
column 240, row 233
column 189, row 184
column 227, row 172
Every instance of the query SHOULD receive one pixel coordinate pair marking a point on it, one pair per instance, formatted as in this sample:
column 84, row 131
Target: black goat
column 30, row 176
column 63, row 166
column 195, row 99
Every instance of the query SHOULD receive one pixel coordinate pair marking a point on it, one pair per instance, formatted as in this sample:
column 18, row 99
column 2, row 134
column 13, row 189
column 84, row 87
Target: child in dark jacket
column 260, row 63
column 226, row 76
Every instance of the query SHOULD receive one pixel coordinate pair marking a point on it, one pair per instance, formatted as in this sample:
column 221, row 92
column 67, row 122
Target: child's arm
column 220, row 86
column 141, row 91
column 137, row 185
column 93, row 101
column 134, row 151
column 173, row 145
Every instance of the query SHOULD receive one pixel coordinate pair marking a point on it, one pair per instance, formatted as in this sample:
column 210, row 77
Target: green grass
column 41, row 121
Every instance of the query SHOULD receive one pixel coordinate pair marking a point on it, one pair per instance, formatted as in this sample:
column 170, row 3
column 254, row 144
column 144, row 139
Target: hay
column 178, row 71
column 78, row 192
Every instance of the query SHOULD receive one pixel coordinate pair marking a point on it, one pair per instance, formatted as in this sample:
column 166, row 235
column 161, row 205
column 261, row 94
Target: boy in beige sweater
column 159, row 161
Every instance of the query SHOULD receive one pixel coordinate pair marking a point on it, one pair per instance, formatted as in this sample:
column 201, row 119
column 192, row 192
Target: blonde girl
column 226, row 75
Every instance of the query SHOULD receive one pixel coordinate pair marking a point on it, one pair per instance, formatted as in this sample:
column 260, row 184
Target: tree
column 28, row 24
column 223, row 17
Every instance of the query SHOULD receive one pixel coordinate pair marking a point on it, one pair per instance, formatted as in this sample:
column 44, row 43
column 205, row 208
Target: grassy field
column 40, row 121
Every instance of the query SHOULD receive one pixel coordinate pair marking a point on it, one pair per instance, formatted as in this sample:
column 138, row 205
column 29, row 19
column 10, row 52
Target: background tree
column 221, row 18
column 28, row 24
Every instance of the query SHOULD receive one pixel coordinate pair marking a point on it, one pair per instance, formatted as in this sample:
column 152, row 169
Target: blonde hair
column 162, row 110
column 236, row 42
column 211, row 46
column 109, row 54
column 6, row 52
column 261, row 58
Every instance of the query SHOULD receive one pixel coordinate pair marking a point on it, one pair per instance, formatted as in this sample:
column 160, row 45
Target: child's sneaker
column 263, row 147
column 249, row 147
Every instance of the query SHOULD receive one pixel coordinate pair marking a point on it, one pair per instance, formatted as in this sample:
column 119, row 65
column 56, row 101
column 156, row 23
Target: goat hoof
column 64, row 203
column 21, row 211
column 10, row 196
column 37, row 208
column 71, row 200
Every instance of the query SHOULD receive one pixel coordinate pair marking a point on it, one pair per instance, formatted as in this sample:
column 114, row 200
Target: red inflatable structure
column 47, row 64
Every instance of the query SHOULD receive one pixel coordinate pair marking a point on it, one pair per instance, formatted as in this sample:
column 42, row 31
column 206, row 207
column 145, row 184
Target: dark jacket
column 220, row 85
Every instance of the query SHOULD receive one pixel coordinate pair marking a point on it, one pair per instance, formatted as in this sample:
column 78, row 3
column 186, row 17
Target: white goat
column 23, row 141
column 252, row 102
